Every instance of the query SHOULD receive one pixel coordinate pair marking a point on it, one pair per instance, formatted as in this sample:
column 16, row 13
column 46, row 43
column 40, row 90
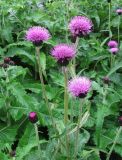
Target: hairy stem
column 74, row 60
column 66, row 106
column 109, row 21
column 67, row 18
column 119, row 29
column 65, row 96
column 114, row 143
column 42, row 83
column 78, row 127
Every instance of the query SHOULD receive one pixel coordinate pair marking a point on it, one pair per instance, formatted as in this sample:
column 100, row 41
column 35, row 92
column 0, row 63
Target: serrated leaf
column 115, row 68
column 21, row 52
column 7, row 135
column 118, row 149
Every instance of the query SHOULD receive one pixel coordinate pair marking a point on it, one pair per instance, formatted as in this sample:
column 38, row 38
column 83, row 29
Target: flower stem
column 65, row 96
column 42, row 83
column 67, row 18
column 114, row 143
column 37, row 139
column 78, row 127
column 109, row 23
column 74, row 60
column 66, row 106
column 44, row 91
column 119, row 29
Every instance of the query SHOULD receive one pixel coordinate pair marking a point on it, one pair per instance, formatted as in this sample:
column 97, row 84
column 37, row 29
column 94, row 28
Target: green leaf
column 99, row 122
column 3, row 156
column 18, row 91
column 27, row 142
column 2, row 102
column 7, row 34
column 118, row 149
column 21, row 52
column 7, row 135
column 115, row 68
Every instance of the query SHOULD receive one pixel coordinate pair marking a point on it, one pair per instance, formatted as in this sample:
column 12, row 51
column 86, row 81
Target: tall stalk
column 114, row 143
column 67, row 18
column 119, row 28
column 66, row 106
column 74, row 60
column 65, row 95
column 42, row 83
column 78, row 127
column 109, row 21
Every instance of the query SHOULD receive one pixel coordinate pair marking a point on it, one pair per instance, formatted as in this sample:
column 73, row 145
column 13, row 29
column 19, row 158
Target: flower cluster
column 80, row 26
column 113, row 47
column 79, row 86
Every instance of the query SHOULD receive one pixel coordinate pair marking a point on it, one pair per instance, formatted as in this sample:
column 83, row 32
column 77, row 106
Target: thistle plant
column 37, row 35
column 63, row 53
column 79, row 87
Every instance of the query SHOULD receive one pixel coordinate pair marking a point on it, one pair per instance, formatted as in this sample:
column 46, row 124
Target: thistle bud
column 7, row 60
column 33, row 117
column 106, row 80
column 120, row 120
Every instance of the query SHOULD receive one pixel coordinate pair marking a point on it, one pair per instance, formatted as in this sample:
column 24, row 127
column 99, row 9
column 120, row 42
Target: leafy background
column 21, row 90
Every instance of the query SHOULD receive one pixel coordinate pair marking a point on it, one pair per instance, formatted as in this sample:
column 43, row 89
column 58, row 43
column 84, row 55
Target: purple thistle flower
column 112, row 44
column 37, row 35
column 119, row 11
column 80, row 25
column 63, row 53
column 79, row 86
column 114, row 50
column 33, row 117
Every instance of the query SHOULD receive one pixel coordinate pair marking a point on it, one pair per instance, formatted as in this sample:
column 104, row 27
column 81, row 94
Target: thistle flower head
column 119, row 11
column 112, row 44
column 79, row 86
column 63, row 53
column 80, row 25
column 114, row 50
column 37, row 35
column 33, row 117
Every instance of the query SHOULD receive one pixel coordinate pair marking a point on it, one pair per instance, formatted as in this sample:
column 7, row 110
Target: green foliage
column 21, row 91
